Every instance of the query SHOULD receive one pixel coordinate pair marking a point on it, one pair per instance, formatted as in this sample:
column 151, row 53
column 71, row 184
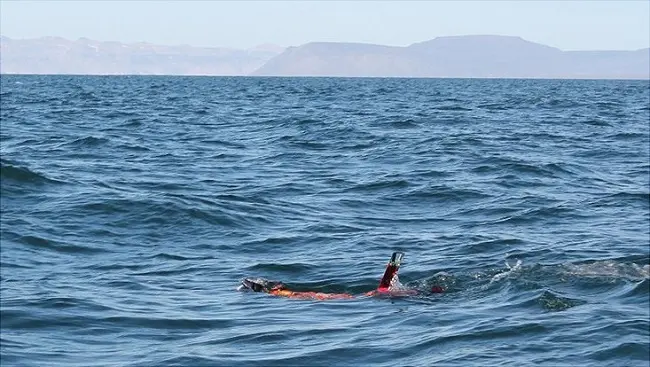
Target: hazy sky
column 568, row 25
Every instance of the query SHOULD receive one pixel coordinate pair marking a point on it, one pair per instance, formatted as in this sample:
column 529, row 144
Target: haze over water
column 133, row 206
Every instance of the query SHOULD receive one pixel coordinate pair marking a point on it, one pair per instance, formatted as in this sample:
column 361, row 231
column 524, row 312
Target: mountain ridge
column 57, row 55
column 470, row 56
column 482, row 56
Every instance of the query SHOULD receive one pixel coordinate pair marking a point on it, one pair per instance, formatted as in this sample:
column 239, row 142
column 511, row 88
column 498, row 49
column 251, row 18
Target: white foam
column 511, row 269
column 609, row 268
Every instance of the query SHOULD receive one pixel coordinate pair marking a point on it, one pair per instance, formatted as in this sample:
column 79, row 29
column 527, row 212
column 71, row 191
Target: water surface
column 132, row 207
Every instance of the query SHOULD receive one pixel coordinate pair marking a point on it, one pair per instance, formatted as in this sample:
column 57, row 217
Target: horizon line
column 324, row 77
column 310, row 42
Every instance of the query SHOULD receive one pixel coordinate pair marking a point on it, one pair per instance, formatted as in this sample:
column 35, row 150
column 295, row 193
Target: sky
column 568, row 25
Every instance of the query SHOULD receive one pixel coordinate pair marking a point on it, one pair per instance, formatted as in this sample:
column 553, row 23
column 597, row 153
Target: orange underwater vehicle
column 388, row 286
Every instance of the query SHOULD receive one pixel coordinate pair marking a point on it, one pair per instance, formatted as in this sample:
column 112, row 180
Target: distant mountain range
column 55, row 55
column 458, row 56
column 462, row 57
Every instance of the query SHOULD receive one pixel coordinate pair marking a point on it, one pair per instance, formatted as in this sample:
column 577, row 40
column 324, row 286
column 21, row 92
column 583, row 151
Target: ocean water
column 132, row 207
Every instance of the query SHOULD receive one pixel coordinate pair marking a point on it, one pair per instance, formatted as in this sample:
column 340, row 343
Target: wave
column 555, row 103
column 159, row 210
column 452, row 108
column 623, row 197
column 281, row 268
column 572, row 279
column 550, row 301
column 630, row 351
column 88, row 141
column 543, row 213
column 223, row 143
column 443, row 193
column 533, row 169
column 13, row 172
column 17, row 319
column 405, row 124
column 607, row 269
column 166, row 256
column 134, row 148
column 379, row 185
column 57, row 246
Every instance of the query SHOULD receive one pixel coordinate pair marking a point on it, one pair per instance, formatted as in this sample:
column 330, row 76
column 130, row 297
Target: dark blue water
column 131, row 207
